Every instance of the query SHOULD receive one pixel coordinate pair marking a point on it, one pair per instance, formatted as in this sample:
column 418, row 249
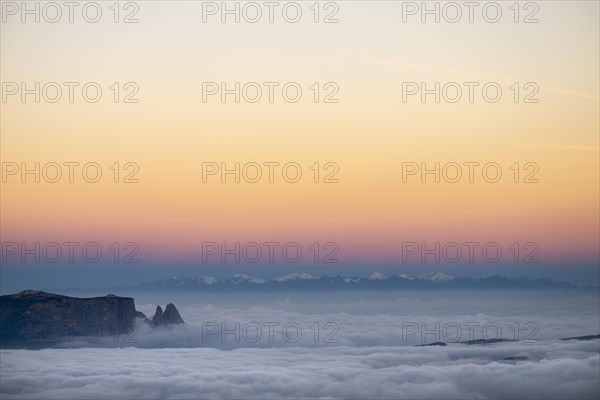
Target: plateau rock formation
column 38, row 319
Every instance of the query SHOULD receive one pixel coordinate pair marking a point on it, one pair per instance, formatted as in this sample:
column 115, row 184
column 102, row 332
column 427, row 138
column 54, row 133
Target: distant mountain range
column 377, row 281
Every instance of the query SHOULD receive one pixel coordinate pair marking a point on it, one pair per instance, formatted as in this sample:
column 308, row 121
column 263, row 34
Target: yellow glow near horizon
column 369, row 133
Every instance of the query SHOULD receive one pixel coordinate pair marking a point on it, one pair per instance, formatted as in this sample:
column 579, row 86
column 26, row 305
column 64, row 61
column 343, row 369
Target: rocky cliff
column 39, row 319
column 169, row 317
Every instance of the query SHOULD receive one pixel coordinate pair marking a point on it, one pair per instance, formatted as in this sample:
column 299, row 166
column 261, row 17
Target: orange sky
column 368, row 134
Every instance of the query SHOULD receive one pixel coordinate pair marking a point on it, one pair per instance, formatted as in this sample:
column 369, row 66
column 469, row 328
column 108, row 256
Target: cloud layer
column 553, row 370
column 371, row 354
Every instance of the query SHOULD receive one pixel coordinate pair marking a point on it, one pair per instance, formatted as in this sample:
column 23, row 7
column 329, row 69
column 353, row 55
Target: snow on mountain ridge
column 376, row 276
column 435, row 277
column 206, row 280
column 293, row 276
column 237, row 278
column 307, row 281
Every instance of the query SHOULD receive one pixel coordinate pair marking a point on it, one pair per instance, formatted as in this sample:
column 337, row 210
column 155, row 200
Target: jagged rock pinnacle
column 169, row 317
column 158, row 316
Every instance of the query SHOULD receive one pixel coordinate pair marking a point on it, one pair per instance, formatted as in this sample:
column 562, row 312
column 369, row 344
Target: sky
column 366, row 204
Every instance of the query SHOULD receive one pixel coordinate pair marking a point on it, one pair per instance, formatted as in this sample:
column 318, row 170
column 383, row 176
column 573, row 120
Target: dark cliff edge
column 35, row 319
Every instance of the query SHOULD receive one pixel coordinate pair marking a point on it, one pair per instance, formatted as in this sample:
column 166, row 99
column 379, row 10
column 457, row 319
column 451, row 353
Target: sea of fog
column 326, row 345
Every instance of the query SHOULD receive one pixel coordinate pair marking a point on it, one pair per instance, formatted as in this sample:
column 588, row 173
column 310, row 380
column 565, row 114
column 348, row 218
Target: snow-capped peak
column 498, row 277
column 237, row 278
column 436, row 277
column 293, row 276
column 404, row 276
column 376, row 276
column 206, row 280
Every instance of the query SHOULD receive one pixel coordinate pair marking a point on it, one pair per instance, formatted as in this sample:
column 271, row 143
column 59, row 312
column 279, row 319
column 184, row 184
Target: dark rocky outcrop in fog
column 38, row 319
column 169, row 317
